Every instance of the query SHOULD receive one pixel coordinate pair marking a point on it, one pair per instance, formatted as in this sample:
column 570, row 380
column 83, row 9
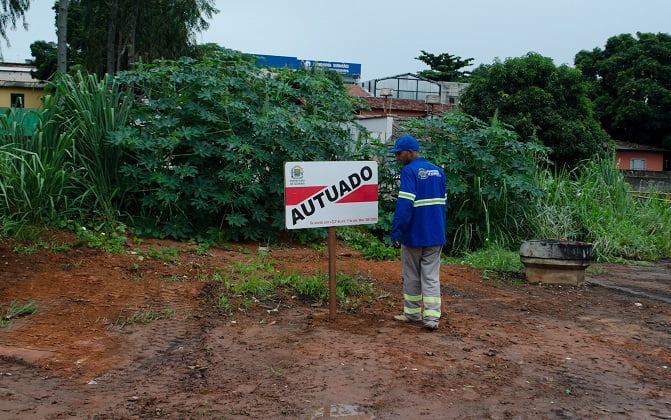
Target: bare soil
column 504, row 350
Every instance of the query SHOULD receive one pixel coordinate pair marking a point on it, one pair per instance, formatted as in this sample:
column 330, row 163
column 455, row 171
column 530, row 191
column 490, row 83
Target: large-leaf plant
column 489, row 178
column 211, row 136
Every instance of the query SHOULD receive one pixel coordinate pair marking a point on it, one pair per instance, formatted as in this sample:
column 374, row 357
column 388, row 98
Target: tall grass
column 67, row 167
column 35, row 170
column 91, row 111
column 591, row 203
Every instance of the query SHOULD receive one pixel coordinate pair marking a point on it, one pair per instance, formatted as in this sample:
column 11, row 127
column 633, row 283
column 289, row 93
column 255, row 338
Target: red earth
column 504, row 350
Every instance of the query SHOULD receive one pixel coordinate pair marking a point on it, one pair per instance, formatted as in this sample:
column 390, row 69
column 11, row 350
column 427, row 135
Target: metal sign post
column 330, row 194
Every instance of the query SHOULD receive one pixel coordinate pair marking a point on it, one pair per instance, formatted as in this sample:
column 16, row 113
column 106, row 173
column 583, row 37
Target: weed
column 59, row 247
column 114, row 242
column 202, row 277
column 173, row 278
column 223, row 303
column 318, row 246
column 351, row 291
column 165, row 253
column 24, row 249
column 200, row 249
column 496, row 263
column 311, row 287
column 245, row 284
column 143, row 316
column 596, row 269
column 242, row 250
column 15, row 310
column 362, row 240
column 39, row 244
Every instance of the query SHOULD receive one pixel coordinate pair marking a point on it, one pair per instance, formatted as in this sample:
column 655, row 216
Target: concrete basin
column 555, row 261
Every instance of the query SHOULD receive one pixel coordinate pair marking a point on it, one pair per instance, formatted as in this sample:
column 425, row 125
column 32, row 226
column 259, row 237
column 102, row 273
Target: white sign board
column 323, row 194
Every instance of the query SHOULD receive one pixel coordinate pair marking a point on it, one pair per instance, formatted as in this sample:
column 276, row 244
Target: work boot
column 431, row 324
column 404, row 318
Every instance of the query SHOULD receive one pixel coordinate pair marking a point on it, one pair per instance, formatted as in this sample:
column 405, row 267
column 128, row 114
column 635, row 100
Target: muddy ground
column 504, row 350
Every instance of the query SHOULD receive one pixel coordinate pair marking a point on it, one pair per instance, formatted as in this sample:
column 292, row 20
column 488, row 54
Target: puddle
column 347, row 411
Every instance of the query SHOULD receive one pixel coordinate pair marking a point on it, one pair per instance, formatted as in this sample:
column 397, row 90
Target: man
column 419, row 229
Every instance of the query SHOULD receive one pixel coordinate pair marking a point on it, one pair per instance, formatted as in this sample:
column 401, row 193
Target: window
column 16, row 100
column 637, row 164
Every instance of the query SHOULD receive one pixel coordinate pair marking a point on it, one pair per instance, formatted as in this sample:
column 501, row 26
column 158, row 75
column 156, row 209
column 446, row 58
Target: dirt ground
column 504, row 350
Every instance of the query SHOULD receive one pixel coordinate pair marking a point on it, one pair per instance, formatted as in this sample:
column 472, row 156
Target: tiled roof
column 406, row 105
column 356, row 90
column 623, row 145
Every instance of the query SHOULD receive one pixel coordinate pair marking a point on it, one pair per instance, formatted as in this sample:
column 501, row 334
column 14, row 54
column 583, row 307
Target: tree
column 631, row 80
column 45, row 54
column 540, row 100
column 444, row 67
column 134, row 30
column 62, row 31
column 12, row 11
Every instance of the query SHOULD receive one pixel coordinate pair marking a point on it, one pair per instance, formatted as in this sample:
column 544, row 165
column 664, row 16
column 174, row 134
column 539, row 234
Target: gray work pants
column 421, row 282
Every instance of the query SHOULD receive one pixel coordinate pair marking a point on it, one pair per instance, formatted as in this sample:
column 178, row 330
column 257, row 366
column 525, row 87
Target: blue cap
column 405, row 143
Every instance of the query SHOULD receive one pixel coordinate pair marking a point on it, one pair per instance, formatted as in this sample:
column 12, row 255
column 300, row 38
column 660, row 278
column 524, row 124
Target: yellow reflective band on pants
column 411, row 311
column 432, row 307
column 412, row 306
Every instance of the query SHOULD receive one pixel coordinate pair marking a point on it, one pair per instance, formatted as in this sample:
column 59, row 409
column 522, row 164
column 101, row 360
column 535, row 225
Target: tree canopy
column 632, row 86
column 45, row 59
column 444, row 67
column 12, row 11
column 540, row 100
column 108, row 36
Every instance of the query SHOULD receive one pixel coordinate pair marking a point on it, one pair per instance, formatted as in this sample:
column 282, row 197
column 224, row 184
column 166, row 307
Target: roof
column 18, row 75
column 411, row 75
column 623, row 145
column 356, row 90
column 407, row 106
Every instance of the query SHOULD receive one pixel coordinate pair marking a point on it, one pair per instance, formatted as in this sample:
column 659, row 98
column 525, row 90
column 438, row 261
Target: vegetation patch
column 258, row 284
column 14, row 310
column 142, row 316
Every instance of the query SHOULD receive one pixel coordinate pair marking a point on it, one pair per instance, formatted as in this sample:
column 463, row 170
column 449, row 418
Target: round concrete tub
column 554, row 261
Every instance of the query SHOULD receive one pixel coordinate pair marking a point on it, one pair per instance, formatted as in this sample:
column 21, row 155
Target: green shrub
column 211, row 137
column 489, row 178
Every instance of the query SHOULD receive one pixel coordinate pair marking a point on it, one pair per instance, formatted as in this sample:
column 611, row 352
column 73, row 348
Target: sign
column 349, row 69
column 342, row 68
column 324, row 194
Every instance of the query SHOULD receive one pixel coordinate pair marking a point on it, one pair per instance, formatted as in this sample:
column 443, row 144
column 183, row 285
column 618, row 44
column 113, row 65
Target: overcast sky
column 385, row 36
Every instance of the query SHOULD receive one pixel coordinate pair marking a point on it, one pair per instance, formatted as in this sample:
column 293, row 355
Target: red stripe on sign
column 296, row 195
column 364, row 193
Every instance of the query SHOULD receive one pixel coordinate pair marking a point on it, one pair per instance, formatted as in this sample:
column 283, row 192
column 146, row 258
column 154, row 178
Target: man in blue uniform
column 419, row 229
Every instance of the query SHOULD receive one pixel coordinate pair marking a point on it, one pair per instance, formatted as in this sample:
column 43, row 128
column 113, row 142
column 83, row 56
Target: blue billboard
column 349, row 69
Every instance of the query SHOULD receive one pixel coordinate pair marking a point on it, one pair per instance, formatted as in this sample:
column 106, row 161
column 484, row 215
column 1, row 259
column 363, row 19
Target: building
column 645, row 168
column 17, row 87
column 411, row 86
column 640, row 157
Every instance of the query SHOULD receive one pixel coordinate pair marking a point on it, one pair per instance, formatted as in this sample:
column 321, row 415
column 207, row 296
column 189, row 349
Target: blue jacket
column 419, row 218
